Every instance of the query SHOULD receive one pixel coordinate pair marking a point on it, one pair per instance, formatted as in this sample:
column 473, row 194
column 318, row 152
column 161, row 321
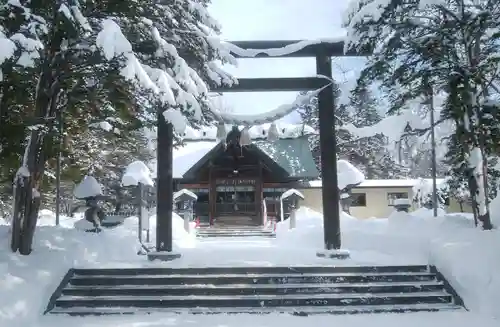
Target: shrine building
column 231, row 190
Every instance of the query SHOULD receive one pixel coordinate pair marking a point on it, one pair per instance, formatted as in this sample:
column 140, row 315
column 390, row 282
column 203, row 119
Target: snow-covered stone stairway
column 296, row 290
column 235, row 232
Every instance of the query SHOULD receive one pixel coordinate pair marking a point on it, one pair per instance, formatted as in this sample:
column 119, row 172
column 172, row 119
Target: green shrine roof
column 293, row 155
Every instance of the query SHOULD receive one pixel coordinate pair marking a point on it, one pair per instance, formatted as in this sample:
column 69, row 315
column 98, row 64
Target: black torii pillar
column 164, row 190
column 328, row 150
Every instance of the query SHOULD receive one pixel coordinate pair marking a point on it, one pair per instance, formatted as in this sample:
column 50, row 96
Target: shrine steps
column 257, row 290
column 235, row 226
column 234, row 232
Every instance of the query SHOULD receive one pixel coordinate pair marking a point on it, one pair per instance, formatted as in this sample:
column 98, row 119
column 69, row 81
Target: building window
column 358, row 200
column 391, row 197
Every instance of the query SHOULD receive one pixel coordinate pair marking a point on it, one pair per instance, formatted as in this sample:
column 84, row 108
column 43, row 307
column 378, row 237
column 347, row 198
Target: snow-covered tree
column 88, row 55
column 369, row 154
column 309, row 115
column 422, row 48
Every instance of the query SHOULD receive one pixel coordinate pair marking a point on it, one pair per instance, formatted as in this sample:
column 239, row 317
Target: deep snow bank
column 26, row 282
column 467, row 256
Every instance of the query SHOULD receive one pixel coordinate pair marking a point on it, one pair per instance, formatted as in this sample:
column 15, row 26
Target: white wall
column 377, row 204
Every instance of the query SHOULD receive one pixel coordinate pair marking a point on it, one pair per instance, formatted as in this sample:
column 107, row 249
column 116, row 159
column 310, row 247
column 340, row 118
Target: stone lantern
column 293, row 198
column 187, row 200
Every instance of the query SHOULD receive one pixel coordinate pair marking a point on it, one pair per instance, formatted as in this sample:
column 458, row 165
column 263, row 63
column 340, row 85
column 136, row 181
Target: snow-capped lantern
column 221, row 132
column 245, row 138
column 186, row 199
column 137, row 173
column 185, row 195
column 89, row 187
column 292, row 198
column 273, row 133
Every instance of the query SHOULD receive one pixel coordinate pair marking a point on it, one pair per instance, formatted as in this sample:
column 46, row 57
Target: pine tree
column 147, row 56
column 423, row 47
column 309, row 115
column 370, row 154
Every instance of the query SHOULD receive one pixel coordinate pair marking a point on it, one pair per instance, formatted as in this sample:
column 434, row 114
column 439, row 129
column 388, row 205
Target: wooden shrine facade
column 229, row 190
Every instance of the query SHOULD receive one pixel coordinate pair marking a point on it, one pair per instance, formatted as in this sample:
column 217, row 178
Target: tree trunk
column 29, row 177
column 485, row 219
column 27, row 197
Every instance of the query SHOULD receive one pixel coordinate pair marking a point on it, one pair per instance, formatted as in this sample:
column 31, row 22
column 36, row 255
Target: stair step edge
column 310, row 309
column 264, row 275
column 258, row 297
column 264, row 286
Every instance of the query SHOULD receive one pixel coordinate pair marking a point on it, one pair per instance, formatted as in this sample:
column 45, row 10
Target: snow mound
column 348, row 174
column 427, row 213
column 135, row 173
column 87, row 188
column 27, row 282
column 308, row 231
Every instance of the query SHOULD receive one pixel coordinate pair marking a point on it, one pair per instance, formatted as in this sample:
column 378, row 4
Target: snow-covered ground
column 467, row 256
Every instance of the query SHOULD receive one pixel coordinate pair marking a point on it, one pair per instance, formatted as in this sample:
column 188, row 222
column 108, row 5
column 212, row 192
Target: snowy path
column 238, row 252
column 438, row 319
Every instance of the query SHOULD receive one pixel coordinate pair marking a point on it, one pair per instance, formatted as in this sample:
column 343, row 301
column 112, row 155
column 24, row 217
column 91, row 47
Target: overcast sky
column 278, row 20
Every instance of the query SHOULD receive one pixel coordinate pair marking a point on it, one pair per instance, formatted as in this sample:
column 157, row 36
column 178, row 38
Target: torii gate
column 322, row 51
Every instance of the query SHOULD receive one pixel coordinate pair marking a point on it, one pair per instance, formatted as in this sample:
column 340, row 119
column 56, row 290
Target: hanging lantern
column 221, row 132
column 272, row 133
column 245, row 138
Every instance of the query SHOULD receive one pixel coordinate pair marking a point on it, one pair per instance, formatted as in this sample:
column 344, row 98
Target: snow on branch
column 359, row 12
column 392, row 127
column 175, row 85
column 114, row 44
column 347, row 174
